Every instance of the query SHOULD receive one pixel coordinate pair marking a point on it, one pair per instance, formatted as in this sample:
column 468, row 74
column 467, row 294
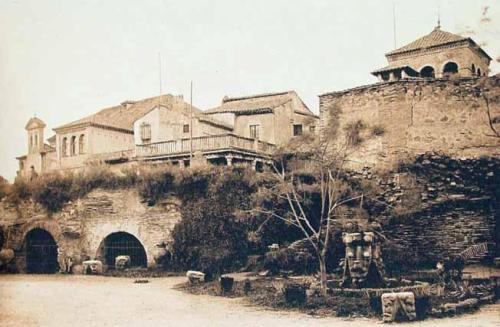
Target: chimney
column 225, row 98
column 127, row 104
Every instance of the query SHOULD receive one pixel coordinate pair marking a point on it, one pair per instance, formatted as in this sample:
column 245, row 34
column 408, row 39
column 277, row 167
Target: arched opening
column 121, row 243
column 427, row 72
column 81, row 144
column 450, row 68
column 2, row 239
column 64, row 147
column 479, row 72
column 73, row 146
column 41, row 252
column 473, row 69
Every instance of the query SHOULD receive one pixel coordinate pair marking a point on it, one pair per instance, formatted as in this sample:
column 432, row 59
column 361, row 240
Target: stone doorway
column 121, row 243
column 41, row 252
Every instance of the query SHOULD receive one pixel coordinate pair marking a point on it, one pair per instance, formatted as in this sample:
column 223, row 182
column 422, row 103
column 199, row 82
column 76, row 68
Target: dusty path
column 30, row 300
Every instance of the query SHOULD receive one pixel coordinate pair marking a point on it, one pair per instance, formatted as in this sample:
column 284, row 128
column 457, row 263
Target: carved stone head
column 361, row 251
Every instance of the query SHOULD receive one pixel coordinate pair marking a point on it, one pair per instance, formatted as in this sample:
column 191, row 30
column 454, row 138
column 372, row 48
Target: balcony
column 207, row 145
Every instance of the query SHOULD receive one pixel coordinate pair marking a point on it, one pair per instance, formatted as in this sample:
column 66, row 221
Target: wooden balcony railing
column 204, row 144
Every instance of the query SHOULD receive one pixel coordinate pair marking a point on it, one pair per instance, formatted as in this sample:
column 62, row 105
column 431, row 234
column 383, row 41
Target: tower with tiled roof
column 435, row 55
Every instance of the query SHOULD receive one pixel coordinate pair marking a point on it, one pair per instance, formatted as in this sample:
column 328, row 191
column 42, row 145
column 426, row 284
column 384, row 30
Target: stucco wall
column 447, row 116
column 167, row 124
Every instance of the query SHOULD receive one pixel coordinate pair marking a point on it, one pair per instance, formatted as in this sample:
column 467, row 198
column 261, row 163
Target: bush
column 52, row 191
column 154, row 184
column 210, row 237
column 4, row 187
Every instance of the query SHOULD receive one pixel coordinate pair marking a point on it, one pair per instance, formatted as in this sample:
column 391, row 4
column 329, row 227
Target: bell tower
column 35, row 128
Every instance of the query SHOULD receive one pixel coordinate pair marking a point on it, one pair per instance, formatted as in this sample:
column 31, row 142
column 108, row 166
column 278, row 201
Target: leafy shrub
column 154, row 184
column 378, row 130
column 20, row 191
column 52, row 191
column 4, row 187
column 353, row 132
column 210, row 237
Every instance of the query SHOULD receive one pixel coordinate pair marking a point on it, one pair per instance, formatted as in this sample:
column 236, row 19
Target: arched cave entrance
column 427, row 72
column 2, row 238
column 121, row 243
column 41, row 252
column 450, row 69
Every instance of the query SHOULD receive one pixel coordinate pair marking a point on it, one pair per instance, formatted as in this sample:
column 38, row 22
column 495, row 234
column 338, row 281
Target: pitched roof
column 259, row 103
column 122, row 117
column 34, row 122
column 435, row 38
column 392, row 68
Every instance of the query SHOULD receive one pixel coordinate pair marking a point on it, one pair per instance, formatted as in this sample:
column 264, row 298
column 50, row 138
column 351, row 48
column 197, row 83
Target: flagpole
column 191, row 127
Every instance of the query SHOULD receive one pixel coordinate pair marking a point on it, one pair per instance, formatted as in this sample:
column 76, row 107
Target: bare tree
column 325, row 159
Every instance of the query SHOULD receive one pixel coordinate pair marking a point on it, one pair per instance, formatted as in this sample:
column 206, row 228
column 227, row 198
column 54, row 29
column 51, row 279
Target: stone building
column 438, row 54
column 272, row 117
column 244, row 129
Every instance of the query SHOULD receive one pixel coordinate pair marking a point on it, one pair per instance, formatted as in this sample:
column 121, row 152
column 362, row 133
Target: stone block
column 122, row 261
column 195, row 277
column 398, row 306
column 92, row 267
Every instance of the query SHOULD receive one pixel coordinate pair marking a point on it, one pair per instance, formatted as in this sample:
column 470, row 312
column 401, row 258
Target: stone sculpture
column 398, row 306
column 122, row 262
column 363, row 262
column 92, row 267
column 195, row 276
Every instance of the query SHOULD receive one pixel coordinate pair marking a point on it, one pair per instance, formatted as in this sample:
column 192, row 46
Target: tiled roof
column 258, row 103
column 435, row 38
column 391, row 68
column 123, row 118
column 210, row 120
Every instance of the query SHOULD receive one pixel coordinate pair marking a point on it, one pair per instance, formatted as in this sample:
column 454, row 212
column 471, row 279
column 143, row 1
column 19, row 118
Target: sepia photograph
column 250, row 163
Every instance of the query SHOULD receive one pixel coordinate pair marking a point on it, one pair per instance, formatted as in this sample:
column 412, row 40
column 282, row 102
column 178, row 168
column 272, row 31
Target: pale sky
column 63, row 60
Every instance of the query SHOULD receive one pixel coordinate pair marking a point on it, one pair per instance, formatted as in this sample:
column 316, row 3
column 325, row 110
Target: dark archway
column 479, row 72
column 427, row 72
column 122, row 243
column 41, row 252
column 450, row 68
column 473, row 69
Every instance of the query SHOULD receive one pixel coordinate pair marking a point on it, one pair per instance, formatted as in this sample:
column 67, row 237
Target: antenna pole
column 191, row 126
column 159, row 77
column 394, row 22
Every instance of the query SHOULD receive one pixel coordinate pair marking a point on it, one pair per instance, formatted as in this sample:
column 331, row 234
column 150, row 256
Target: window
column 64, row 147
column 473, row 69
column 450, row 69
column 73, row 146
column 297, row 129
column 145, row 132
column 254, row 131
column 185, row 128
column 81, row 144
column 312, row 128
column 427, row 72
column 478, row 72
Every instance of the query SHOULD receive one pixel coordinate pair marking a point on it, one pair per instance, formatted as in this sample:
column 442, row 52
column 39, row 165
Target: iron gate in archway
column 122, row 243
column 41, row 252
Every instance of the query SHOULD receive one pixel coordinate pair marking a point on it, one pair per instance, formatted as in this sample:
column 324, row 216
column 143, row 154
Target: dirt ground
column 58, row 300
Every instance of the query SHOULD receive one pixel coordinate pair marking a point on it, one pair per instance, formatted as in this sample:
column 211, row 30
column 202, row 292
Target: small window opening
column 297, row 129
column 185, row 128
